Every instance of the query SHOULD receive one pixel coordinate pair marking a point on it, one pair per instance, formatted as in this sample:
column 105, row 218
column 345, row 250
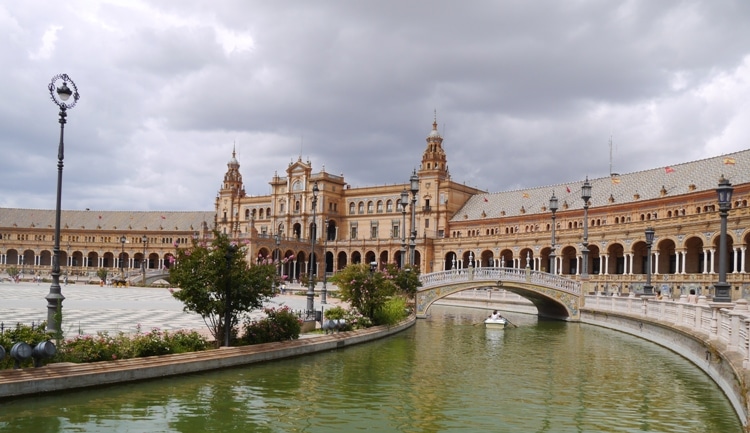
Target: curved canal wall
column 63, row 376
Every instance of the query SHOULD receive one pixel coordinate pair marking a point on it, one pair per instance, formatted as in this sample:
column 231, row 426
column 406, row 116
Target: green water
column 443, row 375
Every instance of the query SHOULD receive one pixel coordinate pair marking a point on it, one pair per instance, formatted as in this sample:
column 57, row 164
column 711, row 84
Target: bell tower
column 434, row 161
column 228, row 199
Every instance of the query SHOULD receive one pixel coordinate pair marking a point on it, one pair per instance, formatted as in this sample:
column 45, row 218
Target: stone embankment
column 62, row 376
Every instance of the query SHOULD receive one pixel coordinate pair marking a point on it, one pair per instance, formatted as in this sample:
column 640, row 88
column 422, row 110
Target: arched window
column 351, row 208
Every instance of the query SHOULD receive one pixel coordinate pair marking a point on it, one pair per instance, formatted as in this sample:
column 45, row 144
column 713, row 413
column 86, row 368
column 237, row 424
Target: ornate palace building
column 454, row 226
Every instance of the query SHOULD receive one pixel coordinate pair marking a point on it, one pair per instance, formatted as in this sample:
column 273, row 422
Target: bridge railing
column 726, row 322
column 493, row 275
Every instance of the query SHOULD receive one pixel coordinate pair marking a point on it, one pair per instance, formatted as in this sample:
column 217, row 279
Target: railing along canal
column 726, row 322
column 494, row 275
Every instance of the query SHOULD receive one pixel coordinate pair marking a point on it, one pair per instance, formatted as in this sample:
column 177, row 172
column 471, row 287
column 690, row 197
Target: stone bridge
column 554, row 296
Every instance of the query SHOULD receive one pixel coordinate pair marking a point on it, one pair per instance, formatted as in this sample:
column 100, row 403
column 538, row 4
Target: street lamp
column 585, row 195
column 648, row 289
column 311, row 283
column 553, row 208
column 414, row 185
column 60, row 96
column 229, row 257
column 277, row 239
column 724, row 191
column 325, row 262
column 122, row 253
column 144, row 239
column 403, row 202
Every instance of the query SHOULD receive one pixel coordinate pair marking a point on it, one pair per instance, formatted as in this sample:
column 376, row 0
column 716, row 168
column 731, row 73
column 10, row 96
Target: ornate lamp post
column 585, row 195
column 648, row 289
column 403, row 202
column 144, row 239
column 553, row 208
column 277, row 252
column 325, row 263
column 123, row 239
column 722, row 288
column 311, row 283
column 60, row 96
column 414, row 186
column 229, row 257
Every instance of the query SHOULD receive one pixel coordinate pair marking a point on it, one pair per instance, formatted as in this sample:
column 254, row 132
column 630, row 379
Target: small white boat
column 499, row 323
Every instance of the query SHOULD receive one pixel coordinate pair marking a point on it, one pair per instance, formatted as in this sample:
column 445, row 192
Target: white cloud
column 47, row 46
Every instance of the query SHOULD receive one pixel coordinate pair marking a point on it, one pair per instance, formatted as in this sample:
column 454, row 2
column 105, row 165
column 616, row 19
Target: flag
column 615, row 180
column 485, row 200
column 525, row 195
column 668, row 169
column 729, row 161
column 567, row 188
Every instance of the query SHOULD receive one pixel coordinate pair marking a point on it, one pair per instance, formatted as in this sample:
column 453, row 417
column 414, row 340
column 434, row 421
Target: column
column 705, row 261
column 712, row 261
column 629, row 257
column 676, row 262
column 606, row 264
column 742, row 260
column 656, row 263
column 684, row 261
column 735, row 255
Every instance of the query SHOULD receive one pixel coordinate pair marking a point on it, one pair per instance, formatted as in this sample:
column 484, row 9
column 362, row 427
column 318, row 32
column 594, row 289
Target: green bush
column 334, row 313
column 104, row 347
column 93, row 348
column 21, row 333
column 278, row 325
column 157, row 342
column 391, row 312
column 357, row 320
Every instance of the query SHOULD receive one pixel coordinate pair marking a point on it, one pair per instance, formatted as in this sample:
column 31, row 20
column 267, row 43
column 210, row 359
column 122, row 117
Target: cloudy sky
column 527, row 93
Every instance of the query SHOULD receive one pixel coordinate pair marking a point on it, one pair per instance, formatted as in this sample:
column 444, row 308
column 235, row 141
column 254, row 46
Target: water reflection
column 446, row 374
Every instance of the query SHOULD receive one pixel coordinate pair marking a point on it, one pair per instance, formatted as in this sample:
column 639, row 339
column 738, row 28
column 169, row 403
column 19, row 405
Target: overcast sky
column 527, row 93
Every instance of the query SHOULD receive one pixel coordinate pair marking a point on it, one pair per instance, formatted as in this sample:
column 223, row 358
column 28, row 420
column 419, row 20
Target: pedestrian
column 692, row 298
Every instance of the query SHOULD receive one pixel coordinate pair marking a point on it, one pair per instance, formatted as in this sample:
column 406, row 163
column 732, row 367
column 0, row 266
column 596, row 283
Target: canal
column 445, row 374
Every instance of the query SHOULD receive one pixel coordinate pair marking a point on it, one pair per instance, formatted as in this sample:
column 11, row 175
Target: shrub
column 391, row 312
column 278, row 325
column 93, row 348
column 334, row 313
column 357, row 320
column 21, row 333
column 157, row 342
column 103, row 347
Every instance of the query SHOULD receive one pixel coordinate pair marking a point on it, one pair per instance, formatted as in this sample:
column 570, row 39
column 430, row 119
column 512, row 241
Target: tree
column 217, row 282
column 406, row 279
column 368, row 289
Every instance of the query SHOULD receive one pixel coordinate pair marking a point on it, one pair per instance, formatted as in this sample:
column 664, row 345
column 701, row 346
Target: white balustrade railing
column 493, row 275
column 725, row 322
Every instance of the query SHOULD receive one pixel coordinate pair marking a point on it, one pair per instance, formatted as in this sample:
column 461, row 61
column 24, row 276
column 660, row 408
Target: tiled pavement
column 89, row 308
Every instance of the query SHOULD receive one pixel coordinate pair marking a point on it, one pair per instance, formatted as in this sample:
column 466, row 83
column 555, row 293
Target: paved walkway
column 88, row 309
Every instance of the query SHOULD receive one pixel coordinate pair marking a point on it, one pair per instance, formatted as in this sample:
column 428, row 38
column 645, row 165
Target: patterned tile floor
column 89, row 309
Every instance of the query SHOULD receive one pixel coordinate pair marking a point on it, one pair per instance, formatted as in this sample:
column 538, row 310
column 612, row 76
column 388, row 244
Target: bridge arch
column 554, row 296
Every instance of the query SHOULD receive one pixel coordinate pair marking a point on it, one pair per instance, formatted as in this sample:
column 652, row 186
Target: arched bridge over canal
column 554, row 296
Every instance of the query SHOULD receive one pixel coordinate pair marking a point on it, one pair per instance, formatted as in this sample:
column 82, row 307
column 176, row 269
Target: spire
column 434, row 160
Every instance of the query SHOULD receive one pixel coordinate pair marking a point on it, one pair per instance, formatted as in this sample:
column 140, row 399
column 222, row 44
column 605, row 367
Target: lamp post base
column 648, row 290
column 722, row 292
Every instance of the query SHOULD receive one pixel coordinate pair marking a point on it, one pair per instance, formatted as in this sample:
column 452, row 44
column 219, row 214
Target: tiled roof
column 648, row 184
column 106, row 220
